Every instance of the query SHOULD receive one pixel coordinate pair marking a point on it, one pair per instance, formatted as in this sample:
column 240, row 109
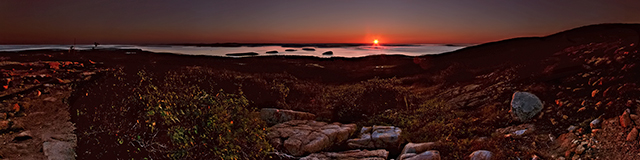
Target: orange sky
column 279, row 21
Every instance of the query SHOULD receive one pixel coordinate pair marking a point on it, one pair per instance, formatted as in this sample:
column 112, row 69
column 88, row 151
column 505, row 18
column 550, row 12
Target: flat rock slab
column 274, row 116
column 379, row 154
column 427, row 155
column 387, row 137
column 301, row 137
column 59, row 150
column 415, row 148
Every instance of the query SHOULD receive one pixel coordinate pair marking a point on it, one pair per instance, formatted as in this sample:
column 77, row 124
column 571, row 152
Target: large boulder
column 379, row 154
column 481, row 155
column 427, row 155
column 525, row 105
column 301, row 137
column 387, row 137
column 412, row 149
column 274, row 116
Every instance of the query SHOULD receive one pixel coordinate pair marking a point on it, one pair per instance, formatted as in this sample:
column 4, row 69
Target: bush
column 435, row 121
column 355, row 102
column 201, row 124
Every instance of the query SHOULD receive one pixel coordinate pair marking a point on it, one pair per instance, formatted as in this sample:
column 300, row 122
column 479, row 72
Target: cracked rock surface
column 387, row 137
column 379, row 154
column 302, row 137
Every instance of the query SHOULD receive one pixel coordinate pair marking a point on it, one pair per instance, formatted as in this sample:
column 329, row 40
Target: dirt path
column 45, row 130
column 34, row 108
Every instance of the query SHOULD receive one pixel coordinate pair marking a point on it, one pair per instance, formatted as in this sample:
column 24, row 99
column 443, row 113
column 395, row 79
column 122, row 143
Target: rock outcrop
column 274, row 116
column 379, row 154
column 525, row 105
column 301, row 137
column 428, row 155
column 412, row 149
column 387, row 137
column 328, row 53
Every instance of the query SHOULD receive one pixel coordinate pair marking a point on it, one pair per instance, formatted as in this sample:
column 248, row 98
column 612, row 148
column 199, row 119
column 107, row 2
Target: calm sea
column 360, row 51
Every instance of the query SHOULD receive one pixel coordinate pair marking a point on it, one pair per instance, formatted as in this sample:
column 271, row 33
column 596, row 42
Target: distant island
column 296, row 45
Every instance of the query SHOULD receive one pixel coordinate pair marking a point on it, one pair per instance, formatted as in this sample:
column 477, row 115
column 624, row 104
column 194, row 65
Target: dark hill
column 532, row 54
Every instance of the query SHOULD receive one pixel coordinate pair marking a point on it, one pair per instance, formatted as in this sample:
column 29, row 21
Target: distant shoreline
column 317, row 45
column 262, row 49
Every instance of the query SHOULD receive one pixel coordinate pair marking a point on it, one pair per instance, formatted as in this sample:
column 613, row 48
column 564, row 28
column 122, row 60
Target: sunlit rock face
column 387, row 137
column 379, row 154
column 413, row 149
column 302, row 137
column 427, row 155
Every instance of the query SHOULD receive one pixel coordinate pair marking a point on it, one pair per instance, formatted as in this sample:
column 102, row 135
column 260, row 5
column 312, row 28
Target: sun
column 375, row 41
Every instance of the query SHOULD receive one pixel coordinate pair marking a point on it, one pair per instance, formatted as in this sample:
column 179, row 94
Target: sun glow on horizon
column 375, row 41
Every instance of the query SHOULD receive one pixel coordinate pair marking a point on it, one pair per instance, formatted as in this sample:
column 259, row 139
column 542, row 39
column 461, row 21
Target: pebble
column 632, row 135
column 625, row 120
column 572, row 128
column 535, row 157
column 580, row 149
column 50, row 99
column 575, row 157
column 595, row 123
column 4, row 124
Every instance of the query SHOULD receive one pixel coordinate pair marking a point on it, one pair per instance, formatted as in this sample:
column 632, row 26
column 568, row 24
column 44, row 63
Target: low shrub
column 355, row 102
column 202, row 124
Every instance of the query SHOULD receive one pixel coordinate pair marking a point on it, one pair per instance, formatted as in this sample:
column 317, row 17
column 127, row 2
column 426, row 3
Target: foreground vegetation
column 206, row 113
column 202, row 124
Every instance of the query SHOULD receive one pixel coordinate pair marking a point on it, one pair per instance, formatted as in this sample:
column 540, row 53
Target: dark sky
column 299, row 21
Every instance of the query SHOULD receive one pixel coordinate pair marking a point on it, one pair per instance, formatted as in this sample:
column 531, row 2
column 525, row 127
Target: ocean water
column 359, row 51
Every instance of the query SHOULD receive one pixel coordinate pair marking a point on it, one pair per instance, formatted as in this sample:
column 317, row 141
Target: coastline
column 262, row 50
